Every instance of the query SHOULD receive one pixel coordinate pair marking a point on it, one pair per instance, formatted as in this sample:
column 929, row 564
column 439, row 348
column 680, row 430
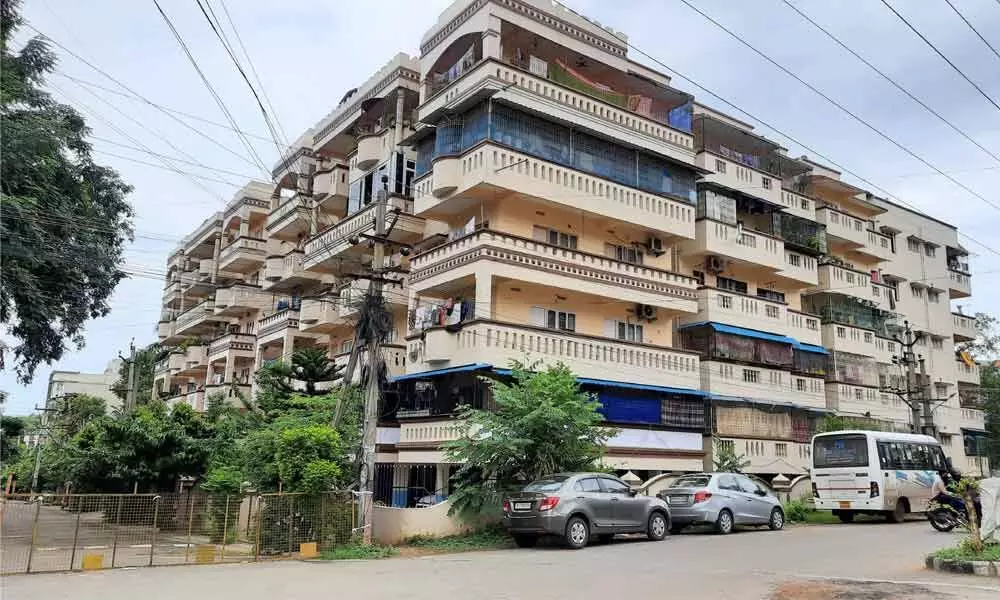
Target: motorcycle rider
column 942, row 494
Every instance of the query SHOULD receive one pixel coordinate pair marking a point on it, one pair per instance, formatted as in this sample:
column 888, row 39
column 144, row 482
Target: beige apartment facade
column 560, row 202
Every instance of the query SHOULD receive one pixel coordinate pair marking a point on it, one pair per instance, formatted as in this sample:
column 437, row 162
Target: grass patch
column 489, row 538
column 357, row 551
column 964, row 551
column 800, row 511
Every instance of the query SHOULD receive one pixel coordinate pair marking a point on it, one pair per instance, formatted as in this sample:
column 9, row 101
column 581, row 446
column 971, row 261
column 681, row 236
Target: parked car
column 577, row 506
column 723, row 500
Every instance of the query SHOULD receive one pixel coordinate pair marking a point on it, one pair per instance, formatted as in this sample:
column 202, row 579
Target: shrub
column 797, row 511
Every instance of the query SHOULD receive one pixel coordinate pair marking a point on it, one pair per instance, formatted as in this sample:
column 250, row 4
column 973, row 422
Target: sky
column 310, row 52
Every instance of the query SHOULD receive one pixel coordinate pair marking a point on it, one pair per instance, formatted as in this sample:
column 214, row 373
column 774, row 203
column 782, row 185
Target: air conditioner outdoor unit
column 645, row 312
column 655, row 246
column 715, row 264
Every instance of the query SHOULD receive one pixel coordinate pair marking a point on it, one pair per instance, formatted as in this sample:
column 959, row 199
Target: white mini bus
column 869, row 472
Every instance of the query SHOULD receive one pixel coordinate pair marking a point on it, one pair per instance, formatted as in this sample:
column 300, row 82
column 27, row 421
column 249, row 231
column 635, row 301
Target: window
column 627, row 254
column 733, row 285
column 699, row 276
column 725, row 301
column 630, row 332
column 913, row 244
column 937, row 343
column 751, row 376
column 748, row 486
column 930, row 250
column 720, row 166
column 933, row 296
column 613, row 486
column 765, row 182
column 589, row 484
column 841, row 332
column 781, row 449
column 556, row 238
column 728, row 482
column 848, row 450
column 772, row 311
column 800, row 385
column 869, row 338
column 553, row 319
column 771, row 295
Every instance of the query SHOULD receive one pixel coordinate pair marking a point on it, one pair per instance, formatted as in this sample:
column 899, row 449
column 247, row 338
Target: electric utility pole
column 130, row 392
column 917, row 392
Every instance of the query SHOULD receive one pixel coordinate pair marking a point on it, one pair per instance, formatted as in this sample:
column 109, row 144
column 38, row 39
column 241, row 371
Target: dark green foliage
column 308, row 368
column 145, row 365
column 64, row 219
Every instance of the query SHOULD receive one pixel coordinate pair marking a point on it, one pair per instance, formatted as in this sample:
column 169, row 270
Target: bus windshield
column 841, row 451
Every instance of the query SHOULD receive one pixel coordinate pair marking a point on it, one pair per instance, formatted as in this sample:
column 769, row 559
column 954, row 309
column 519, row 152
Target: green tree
column 307, row 369
column 840, row 423
column 989, row 381
column 145, row 365
column 543, row 424
column 64, row 219
column 72, row 413
column 986, row 346
column 725, row 459
column 13, row 428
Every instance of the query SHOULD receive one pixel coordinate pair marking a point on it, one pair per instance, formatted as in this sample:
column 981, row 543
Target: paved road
column 859, row 561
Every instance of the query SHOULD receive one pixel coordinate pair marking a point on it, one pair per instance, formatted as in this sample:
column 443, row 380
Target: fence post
column 34, row 533
column 256, row 546
column 291, row 521
column 225, row 527
column 76, row 536
column 118, row 521
column 187, row 546
column 321, row 534
column 152, row 541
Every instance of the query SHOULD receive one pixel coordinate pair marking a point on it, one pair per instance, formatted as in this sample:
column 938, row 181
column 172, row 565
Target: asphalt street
column 862, row 561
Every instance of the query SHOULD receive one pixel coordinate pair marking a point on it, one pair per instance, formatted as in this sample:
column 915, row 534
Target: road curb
column 982, row 568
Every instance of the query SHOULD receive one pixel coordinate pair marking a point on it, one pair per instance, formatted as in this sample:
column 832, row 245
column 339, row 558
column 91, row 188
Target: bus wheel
column 898, row 514
column 846, row 516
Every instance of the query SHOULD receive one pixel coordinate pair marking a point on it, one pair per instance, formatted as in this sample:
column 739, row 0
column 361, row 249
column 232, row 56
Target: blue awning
column 743, row 331
column 810, row 348
column 629, row 386
column 428, row 374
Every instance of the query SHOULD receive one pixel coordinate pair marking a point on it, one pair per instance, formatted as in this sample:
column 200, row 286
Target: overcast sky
column 309, row 52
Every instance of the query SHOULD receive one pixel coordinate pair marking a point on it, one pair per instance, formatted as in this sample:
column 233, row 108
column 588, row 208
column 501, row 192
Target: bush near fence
column 75, row 531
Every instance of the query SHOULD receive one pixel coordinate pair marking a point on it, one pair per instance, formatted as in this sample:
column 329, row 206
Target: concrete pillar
column 244, row 227
column 491, row 39
column 484, row 295
column 287, row 347
column 441, row 481
column 215, row 257
column 400, row 109
column 229, row 368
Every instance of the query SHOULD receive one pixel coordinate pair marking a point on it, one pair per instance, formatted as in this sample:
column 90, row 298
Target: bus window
column 841, row 451
column 938, row 462
column 884, row 455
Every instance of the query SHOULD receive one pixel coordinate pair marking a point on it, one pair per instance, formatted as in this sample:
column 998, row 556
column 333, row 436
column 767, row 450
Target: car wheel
column 777, row 520
column 606, row 538
column 724, row 523
column 526, row 541
column 657, row 526
column 846, row 516
column 898, row 514
column 577, row 533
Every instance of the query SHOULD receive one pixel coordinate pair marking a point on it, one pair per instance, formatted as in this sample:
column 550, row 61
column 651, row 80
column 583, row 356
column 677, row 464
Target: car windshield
column 546, row 484
column 691, row 481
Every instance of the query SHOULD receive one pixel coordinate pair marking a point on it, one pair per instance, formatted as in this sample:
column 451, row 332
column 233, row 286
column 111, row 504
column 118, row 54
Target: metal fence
column 71, row 532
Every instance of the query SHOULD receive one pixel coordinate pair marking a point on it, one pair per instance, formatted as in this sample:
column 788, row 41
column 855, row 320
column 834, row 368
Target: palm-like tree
column 309, row 366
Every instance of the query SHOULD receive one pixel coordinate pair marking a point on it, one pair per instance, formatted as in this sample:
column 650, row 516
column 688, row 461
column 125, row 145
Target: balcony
column 240, row 298
column 856, row 284
column 496, row 343
column 855, row 400
column 772, row 385
column 274, row 326
column 740, row 177
column 963, row 327
column 326, row 251
column 966, row 373
column 959, row 284
column 804, row 327
column 429, row 433
column 170, row 365
column 393, row 355
column 166, row 331
column 489, row 166
column 195, row 361
column 331, row 188
column 396, row 297
column 540, row 94
column 544, row 264
column 282, row 273
column 232, row 345
column 201, row 243
column 798, row 205
column 750, row 248
column 740, row 310
column 321, row 316
column 254, row 197
column 373, row 148
column 229, row 391
column 243, row 255
column 844, row 227
column 855, row 340
column 290, row 221
column 800, row 267
column 173, row 293
column 878, row 245
column 198, row 320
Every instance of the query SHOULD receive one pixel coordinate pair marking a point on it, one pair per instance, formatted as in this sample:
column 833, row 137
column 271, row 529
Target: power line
column 974, row 30
column 173, row 158
column 137, row 95
column 179, row 172
column 890, row 80
column 843, row 108
column 941, row 54
column 225, row 44
column 208, row 85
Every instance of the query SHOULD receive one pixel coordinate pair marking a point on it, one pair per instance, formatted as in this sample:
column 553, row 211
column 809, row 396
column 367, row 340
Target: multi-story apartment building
column 561, row 202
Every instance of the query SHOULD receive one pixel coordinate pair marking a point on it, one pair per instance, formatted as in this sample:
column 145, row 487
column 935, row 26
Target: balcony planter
column 369, row 151
column 446, row 176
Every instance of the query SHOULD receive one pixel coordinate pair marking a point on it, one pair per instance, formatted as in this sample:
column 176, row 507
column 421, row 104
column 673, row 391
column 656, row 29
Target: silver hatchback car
column 576, row 506
column 723, row 500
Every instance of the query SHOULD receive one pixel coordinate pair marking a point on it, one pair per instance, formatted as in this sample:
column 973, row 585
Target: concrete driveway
column 858, row 561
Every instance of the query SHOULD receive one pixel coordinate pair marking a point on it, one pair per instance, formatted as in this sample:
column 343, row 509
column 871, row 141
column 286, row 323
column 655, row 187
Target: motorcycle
column 945, row 517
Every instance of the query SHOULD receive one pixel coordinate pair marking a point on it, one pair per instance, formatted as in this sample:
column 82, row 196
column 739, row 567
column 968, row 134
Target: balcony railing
column 244, row 250
column 278, row 321
column 195, row 315
column 842, row 225
column 960, row 284
column 967, row 373
column 758, row 381
column 497, row 343
column 739, row 310
column 487, row 244
column 338, row 238
column 241, row 342
column 854, row 283
column 293, row 208
column 963, row 327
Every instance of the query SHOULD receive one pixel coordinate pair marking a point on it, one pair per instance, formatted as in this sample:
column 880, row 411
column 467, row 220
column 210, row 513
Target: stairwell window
column 937, row 343
column 930, row 251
